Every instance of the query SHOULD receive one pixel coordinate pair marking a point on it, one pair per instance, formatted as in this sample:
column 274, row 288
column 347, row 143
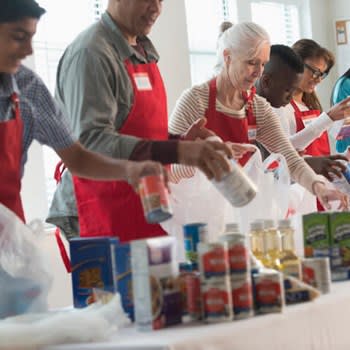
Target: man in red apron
column 119, row 109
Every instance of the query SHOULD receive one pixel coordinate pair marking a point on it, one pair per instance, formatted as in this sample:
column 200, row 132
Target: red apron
column 11, row 135
column 319, row 147
column 113, row 208
column 228, row 128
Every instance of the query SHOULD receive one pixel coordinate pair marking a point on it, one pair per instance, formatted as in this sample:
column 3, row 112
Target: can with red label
column 238, row 255
column 242, row 299
column 193, row 296
column 155, row 198
column 213, row 262
column 317, row 273
column 268, row 292
column 217, row 303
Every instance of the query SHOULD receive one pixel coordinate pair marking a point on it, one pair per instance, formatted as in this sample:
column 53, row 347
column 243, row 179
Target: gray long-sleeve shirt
column 94, row 90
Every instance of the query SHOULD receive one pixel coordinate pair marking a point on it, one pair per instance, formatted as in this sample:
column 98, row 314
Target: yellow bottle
column 273, row 246
column 290, row 263
column 257, row 241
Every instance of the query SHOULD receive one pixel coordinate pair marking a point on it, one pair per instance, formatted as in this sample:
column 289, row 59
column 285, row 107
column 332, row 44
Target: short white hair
column 244, row 40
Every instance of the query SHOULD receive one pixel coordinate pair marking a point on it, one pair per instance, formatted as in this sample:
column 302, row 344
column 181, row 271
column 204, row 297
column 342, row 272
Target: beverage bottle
column 290, row 263
column 273, row 245
column 257, row 241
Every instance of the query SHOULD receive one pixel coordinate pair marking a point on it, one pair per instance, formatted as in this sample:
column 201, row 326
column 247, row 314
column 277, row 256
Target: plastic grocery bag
column 25, row 278
column 97, row 322
column 273, row 182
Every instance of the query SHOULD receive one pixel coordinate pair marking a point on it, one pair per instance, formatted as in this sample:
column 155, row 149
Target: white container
column 236, row 186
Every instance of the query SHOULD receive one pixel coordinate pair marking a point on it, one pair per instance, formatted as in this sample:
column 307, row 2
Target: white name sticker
column 251, row 133
column 142, row 82
column 309, row 119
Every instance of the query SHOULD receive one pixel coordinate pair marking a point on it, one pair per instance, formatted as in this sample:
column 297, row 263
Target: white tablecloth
column 320, row 325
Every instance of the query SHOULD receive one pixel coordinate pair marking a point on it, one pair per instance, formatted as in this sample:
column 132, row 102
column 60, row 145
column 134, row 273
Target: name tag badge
column 142, row 82
column 251, row 133
column 309, row 119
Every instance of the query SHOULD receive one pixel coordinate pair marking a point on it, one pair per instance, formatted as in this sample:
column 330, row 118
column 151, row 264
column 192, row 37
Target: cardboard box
column 156, row 289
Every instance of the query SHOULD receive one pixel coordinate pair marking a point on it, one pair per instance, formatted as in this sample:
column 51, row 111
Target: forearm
column 165, row 152
column 87, row 164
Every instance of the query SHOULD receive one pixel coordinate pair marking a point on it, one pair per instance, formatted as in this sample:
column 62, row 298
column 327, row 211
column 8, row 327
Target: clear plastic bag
column 25, row 277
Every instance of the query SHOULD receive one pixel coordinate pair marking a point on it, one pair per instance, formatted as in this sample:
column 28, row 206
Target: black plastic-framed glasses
column 316, row 73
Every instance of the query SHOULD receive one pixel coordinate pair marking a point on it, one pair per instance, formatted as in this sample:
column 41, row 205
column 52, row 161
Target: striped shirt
column 193, row 104
column 42, row 119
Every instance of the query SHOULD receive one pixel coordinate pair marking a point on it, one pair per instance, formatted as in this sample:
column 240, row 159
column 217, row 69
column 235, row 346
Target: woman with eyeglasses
column 306, row 121
column 304, row 118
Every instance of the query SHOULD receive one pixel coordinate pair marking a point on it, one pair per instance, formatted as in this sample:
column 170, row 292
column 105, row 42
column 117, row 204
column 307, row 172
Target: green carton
column 316, row 234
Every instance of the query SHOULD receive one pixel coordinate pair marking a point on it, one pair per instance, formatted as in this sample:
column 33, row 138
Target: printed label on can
column 214, row 262
column 242, row 299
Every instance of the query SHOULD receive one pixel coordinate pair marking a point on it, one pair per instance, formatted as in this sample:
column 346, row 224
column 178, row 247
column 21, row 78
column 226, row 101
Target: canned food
column 155, row 199
column 213, row 262
column 193, row 234
column 238, row 255
column 242, row 299
column 217, row 303
column 317, row 273
column 236, row 186
column 193, row 296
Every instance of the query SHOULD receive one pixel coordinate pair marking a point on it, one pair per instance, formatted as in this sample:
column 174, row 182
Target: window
column 56, row 29
column 285, row 27
column 205, row 16
column 203, row 21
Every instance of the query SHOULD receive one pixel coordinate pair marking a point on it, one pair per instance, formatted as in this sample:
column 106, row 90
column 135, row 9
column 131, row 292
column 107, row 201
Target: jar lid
column 268, row 224
column 284, row 223
column 257, row 225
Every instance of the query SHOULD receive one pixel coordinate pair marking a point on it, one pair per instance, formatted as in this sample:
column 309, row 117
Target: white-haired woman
column 235, row 113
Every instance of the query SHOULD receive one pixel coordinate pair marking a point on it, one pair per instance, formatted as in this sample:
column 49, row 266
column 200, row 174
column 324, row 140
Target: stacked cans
column 215, row 283
column 238, row 260
column 317, row 273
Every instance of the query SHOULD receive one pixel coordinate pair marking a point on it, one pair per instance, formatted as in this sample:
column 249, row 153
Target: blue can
column 193, row 234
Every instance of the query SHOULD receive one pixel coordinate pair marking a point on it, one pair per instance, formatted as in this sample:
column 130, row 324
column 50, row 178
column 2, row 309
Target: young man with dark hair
column 280, row 79
column 28, row 112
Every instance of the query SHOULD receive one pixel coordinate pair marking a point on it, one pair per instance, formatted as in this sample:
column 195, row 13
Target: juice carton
column 339, row 223
column 156, row 288
column 316, row 234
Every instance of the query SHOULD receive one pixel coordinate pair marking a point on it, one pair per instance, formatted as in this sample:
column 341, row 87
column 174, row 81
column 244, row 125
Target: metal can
column 193, row 234
column 236, row 186
column 155, row 198
column 242, row 299
column 193, row 296
column 317, row 273
column 213, row 262
column 238, row 255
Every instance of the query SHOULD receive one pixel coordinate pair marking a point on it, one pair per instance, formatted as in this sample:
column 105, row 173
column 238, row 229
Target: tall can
column 155, row 199
column 193, row 234
column 236, row 186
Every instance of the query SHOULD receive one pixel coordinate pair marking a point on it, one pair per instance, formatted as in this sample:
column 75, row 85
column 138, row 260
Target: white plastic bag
column 25, row 277
column 97, row 322
column 273, row 181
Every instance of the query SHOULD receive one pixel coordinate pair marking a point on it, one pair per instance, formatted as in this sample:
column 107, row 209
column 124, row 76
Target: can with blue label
column 193, row 234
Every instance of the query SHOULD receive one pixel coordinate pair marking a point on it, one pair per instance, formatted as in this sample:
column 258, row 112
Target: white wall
column 170, row 38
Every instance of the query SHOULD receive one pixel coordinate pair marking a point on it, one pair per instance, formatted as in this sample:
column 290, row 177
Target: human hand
column 208, row 156
column 326, row 195
column 327, row 166
column 135, row 170
column 239, row 150
column 198, row 131
column 341, row 110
